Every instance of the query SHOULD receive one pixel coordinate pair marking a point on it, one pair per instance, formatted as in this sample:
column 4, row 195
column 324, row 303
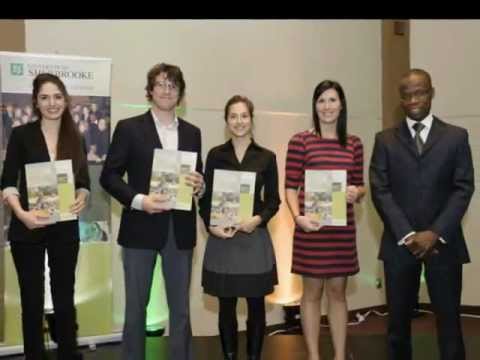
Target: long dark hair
column 342, row 117
column 69, row 145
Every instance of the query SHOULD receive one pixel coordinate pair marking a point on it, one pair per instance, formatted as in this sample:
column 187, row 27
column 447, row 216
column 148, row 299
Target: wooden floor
column 366, row 341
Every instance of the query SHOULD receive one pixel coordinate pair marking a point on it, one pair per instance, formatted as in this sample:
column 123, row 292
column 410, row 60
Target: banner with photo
column 88, row 82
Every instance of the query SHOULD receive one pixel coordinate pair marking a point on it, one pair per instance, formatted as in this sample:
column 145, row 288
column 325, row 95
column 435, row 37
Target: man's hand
column 156, row 203
column 195, row 180
column 422, row 243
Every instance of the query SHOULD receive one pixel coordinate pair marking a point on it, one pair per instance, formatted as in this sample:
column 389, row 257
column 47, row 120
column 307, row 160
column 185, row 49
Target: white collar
column 158, row 123
column 427, row 121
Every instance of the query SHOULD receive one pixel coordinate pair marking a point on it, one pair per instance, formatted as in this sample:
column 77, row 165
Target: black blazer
column 27, row 145
column 427, row 192
column 131, row 152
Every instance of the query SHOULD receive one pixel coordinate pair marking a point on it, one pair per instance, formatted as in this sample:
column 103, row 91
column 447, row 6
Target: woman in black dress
column 239, row 261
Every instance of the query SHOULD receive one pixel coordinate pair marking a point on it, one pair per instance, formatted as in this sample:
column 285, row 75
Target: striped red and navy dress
column 332, row 250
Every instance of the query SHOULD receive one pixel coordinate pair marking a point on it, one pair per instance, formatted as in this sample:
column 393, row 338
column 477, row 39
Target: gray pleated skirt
column 242, row 266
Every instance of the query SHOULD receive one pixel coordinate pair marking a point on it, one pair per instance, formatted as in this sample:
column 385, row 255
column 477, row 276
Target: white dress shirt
column 427, row 122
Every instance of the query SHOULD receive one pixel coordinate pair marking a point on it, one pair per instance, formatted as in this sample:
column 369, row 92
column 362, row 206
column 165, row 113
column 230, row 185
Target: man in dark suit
column 148, row 226
column 421, row 178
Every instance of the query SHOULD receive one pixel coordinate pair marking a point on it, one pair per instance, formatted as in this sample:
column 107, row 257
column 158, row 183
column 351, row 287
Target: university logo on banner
column 16, row 69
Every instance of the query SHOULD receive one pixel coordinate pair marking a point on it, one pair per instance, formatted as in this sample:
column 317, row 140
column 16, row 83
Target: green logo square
column 16, row 69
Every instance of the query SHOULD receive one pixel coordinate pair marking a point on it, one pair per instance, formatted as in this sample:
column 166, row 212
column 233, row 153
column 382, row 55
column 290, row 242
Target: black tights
column 227, row 317
column 227, row 324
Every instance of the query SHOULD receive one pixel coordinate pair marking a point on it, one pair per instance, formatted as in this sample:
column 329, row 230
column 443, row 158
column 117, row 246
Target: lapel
column 436, row 132
column 182, row 141
column 150, row 131
column 38, row 142
column 403, row 134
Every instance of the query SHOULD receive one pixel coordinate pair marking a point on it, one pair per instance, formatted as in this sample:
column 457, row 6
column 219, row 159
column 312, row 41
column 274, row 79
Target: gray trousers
column 138, row 265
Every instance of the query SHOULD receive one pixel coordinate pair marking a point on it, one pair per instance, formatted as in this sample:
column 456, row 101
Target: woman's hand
column 307, row 224
column 33, row 219
column 221, row 232
column 80, row 202
column 352, row 194
column 251, row 224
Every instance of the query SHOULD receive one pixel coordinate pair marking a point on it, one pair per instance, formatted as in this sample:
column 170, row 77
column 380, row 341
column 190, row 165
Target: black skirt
column 243, row 266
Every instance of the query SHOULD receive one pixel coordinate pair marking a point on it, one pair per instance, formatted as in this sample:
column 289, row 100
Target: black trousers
column 444, row 283
column 29, row 259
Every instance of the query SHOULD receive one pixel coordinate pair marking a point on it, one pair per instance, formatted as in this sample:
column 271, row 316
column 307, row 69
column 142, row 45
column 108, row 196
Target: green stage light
column 157, row 309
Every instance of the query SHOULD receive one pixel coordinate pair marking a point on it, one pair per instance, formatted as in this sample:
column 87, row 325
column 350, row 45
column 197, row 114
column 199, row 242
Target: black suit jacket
column 27, row 145
column 427, row 192
column 131, row 152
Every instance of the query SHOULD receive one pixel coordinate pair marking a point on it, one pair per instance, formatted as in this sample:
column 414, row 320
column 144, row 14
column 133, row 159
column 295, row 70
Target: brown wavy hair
column 174, row 74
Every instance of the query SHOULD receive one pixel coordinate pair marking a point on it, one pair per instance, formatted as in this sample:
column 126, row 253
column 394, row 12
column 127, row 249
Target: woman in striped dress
column 324, row 255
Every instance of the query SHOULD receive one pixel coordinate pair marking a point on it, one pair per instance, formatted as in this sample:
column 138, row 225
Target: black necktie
column 418, row 127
